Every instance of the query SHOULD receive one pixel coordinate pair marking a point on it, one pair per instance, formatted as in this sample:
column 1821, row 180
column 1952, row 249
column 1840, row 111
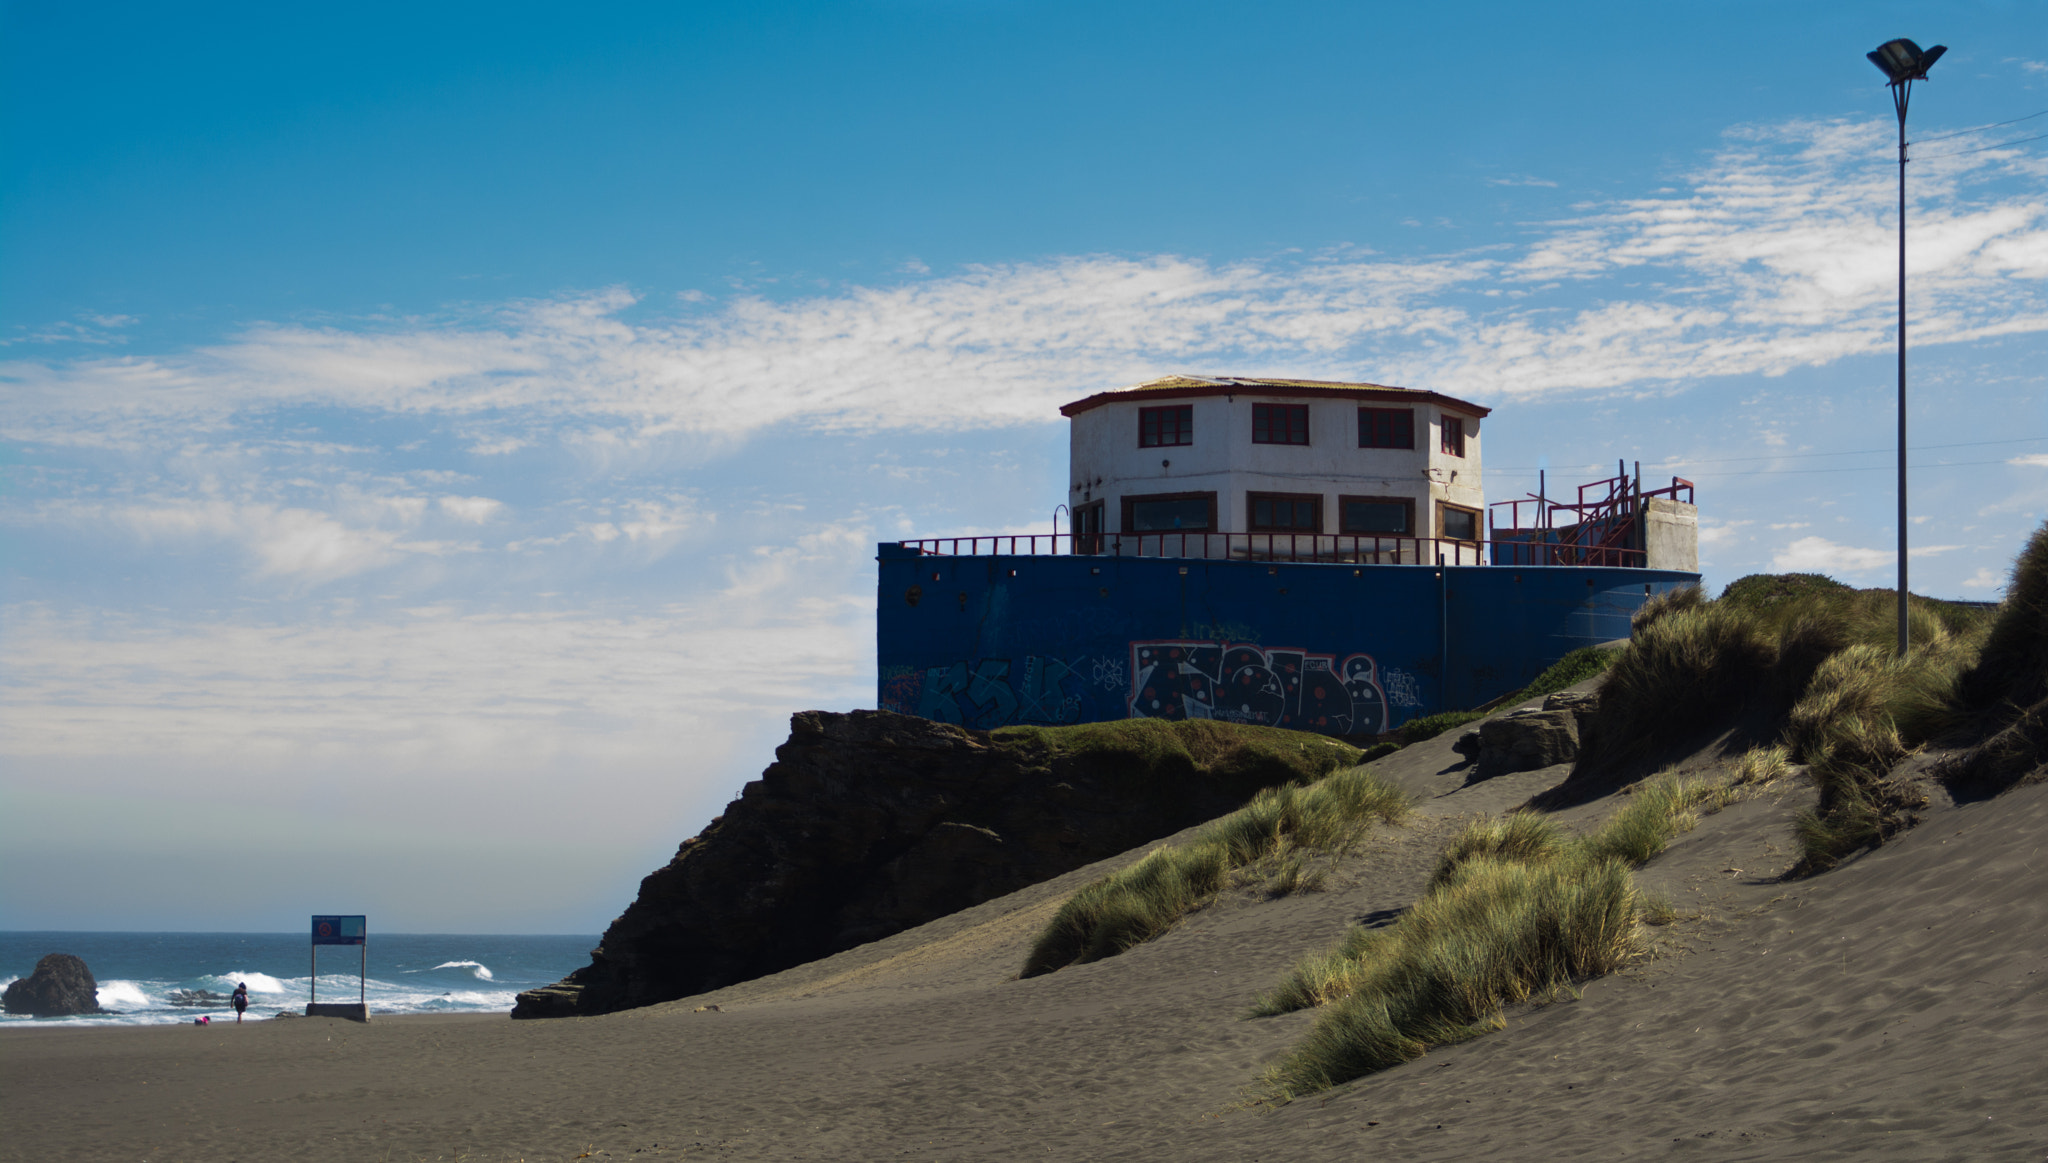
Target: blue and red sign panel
column 340, row 930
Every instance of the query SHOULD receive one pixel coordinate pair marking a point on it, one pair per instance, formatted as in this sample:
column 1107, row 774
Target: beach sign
column 333, row 929
column 340, row 930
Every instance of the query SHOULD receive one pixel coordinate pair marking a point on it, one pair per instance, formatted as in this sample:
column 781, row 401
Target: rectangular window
column 1285, row 512
column 1170, row 513
column 1386, row 428
column 1088, row 528
column 1453, row 442
column 1279, row 423
column 1162, row 427
column 1458, row 524
column 1376, row 516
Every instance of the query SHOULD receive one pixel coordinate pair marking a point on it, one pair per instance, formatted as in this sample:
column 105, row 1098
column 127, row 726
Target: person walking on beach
column 241, row 1000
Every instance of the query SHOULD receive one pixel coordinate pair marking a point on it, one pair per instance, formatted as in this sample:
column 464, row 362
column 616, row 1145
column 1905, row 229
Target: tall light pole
column 1903, row 62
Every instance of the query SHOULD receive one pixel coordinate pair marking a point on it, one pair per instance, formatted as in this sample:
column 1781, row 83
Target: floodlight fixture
column 1902, row 60
column 1902, row 63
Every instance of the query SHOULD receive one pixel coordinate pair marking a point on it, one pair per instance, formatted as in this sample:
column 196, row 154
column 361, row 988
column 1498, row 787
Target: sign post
column 341, row 930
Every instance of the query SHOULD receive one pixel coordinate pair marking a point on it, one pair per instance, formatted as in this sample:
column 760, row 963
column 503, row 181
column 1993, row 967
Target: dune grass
column 1132, row 906
column 1803, row 663
column 1516, row 911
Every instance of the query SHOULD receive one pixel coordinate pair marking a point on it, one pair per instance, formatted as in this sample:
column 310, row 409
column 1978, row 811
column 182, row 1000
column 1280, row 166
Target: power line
column 1979, row 129
column 1680, row 462
column 1982, row 148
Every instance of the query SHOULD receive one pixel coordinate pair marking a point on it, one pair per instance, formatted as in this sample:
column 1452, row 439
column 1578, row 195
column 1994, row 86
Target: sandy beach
column 1896, row 1007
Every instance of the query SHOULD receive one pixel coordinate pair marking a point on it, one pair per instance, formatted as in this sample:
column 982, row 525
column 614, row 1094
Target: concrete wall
column 1671, row 534
column 1346, row 650
column 1106, row 463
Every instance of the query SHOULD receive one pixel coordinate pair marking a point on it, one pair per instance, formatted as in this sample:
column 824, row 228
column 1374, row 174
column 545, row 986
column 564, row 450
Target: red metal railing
column 1605, row 519
column 1337, row 549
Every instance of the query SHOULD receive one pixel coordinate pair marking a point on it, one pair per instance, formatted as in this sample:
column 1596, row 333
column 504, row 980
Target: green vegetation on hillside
column 1159, row 757
column 1516, row 911
column 1804, row 662
column 1134, row 905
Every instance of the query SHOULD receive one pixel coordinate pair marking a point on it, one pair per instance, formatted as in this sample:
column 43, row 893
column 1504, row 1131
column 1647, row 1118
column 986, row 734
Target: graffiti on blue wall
column 1244, row 683
column 988, row 692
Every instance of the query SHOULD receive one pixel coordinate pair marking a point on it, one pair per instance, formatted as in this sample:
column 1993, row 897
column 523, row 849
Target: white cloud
column 1520, row 180
column 2032, row 459
column 1788, row 224
column 475, row 510
column 1716, row 533
column 1819, row 555
column 1985, row 578
column 429, row 684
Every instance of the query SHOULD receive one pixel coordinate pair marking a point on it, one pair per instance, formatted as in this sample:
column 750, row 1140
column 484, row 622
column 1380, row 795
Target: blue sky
column 441, row 448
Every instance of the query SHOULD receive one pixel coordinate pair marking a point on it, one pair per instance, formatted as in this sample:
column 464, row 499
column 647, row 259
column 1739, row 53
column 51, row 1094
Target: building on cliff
column 1302, row 458
column 1299, row 553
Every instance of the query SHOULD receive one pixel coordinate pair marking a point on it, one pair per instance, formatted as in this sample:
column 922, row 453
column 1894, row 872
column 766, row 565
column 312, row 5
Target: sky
column 440, row 445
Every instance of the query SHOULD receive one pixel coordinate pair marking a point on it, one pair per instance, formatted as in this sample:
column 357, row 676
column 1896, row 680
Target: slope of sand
column 1894, row 1008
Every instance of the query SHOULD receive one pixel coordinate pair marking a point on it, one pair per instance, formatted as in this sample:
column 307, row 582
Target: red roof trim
column 1408, row 395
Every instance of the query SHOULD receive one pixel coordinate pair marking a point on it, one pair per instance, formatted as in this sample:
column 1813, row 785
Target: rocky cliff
column 870, row 823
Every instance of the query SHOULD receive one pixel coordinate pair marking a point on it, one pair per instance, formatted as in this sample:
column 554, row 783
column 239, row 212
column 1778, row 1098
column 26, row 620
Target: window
column 1386, row 428
column 1285, row 512
column 1458, row 524
column 1160, row 427
column 1453, row 442
column 1376, row 516
column 1088, row 528
column 1170, row 513
column 1279, row 423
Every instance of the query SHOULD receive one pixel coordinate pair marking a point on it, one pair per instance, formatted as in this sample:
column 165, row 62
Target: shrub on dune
column 1132, row 906
column 1516, row 911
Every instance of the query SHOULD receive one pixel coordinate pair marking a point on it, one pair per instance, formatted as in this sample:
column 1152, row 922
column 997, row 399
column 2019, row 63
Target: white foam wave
column 122, row 995
column 478, row 968
column 257, row 982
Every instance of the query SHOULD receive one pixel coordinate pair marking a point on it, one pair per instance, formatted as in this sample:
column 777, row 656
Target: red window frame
column 1279, row 423
column 1386, row 428
column 1168, row 427
column 1451, row 439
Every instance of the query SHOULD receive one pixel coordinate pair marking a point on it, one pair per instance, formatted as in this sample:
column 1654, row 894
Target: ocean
column 144, row 975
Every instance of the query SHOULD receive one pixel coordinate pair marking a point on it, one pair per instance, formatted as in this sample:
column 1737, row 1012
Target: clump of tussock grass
column 1130, row 907
column 2005, row 694
column 1763, row 765
column 1517, row 911
column 1864, row 710
column 1499, row 932
column 1430, row 726
column 1753, row 657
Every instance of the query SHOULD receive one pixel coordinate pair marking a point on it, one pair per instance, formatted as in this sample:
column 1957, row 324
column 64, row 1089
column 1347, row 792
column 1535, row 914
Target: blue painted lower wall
column 1341, row 649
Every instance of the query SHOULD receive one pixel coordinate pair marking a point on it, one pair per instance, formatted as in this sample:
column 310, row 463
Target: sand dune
column 1896, row 1007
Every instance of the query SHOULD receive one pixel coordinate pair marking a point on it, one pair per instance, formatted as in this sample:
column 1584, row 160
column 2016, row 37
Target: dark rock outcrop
column 60, row 986
column 1527, row 740
column 870, row 823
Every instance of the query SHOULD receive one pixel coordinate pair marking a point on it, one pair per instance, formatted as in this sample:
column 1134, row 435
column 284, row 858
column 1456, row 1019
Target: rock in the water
column 60, row 986
column 197, row 997
column 870, row 823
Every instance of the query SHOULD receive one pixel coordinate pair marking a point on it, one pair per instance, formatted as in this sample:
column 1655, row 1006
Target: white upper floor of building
column 1233, row 454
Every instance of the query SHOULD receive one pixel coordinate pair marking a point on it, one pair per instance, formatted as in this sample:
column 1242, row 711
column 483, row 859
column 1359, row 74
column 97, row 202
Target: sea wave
column 257, row 982
column 122, row 995
column 477, row 968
